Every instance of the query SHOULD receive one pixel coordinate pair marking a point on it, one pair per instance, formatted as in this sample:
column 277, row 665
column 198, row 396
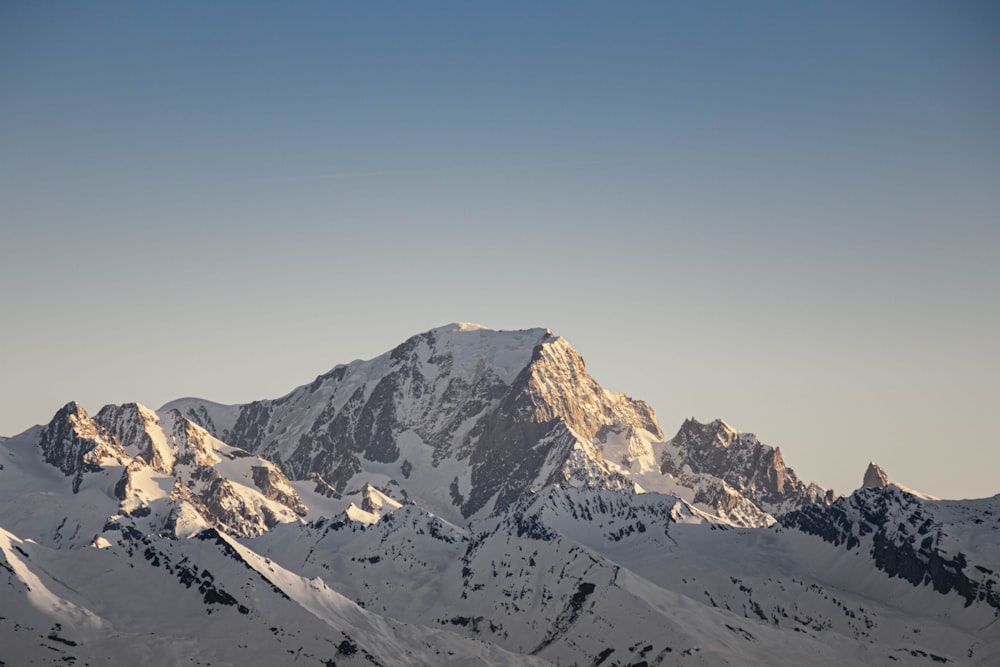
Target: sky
column 782, row 214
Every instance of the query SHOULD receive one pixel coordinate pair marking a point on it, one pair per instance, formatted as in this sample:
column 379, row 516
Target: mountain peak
column 746, row 465
column 875, row 477
column 715, row 429
column 76, row 444
column 461, row 326
column 72, row 409
column 467, row 349
column 472, row 326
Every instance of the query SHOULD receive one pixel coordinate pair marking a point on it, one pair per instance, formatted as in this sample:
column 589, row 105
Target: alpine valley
column 471, row 497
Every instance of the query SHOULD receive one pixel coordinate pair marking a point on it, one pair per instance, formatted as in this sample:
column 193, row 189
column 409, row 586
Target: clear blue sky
column 783, row 214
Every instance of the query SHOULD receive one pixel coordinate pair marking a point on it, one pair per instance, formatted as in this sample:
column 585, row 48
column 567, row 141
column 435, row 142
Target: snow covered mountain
column 463, row 420
column 470, row 497
column 952, row 546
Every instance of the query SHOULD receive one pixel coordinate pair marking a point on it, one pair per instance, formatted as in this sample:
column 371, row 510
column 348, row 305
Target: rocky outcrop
column 275, row 486
column 556, row 385
column 190, row 441
column 548, row 420
column 137, row 429
column 244, row 496
column 221, row 503
column 755, row 470
column 433, row 384
column 76, row 444
column 322, row 487
column 875, row 477
column 126, row 486
column 207, row 498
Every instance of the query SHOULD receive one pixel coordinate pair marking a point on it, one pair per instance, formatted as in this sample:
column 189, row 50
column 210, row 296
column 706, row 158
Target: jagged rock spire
column 875, row 477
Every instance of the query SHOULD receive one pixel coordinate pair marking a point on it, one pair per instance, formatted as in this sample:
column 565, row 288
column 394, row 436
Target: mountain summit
column 463, row 420
column 875, row 477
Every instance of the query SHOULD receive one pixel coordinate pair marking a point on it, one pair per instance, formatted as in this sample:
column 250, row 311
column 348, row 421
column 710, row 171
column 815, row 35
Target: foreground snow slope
column 563, row 570
column 215, row 602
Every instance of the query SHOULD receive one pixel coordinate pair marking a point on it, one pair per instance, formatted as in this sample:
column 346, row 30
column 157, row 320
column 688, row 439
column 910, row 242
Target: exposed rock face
column 126, row 486
column 274, row 485
column 556, row 385
column 189, row 441
column 905, row 537
column 875, row 477
column 244, row 496
column 552, row 413
column 745, row 464
column 137, row 428
column 221, row 503
column 229, row 504
column 76, row 444
column 322, row 487
column 163, row 441
column 434, row 385
column 509, row 410
column 730, row 504
column 183, row 518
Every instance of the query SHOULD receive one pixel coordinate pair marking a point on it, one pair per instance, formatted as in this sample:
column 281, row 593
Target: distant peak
column 471, row 327
column 137, row 407
column 184, row 404
column 73, row 408
column 716, row 426
column 875, row 477
column 459, row 326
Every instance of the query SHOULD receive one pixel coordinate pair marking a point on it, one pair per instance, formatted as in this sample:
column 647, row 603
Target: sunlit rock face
column 483, row 415
column 76, row 444
column 748, row 467
column 875, row 477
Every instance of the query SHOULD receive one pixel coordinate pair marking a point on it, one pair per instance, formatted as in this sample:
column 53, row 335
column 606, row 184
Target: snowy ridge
column 951, row 546
column 650, row 570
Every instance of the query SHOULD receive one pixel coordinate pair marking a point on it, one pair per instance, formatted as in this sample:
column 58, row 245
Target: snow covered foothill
column 216, row 603
column 509, row 579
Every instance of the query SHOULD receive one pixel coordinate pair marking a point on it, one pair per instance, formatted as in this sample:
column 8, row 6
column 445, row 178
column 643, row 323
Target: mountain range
column 469, row 497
